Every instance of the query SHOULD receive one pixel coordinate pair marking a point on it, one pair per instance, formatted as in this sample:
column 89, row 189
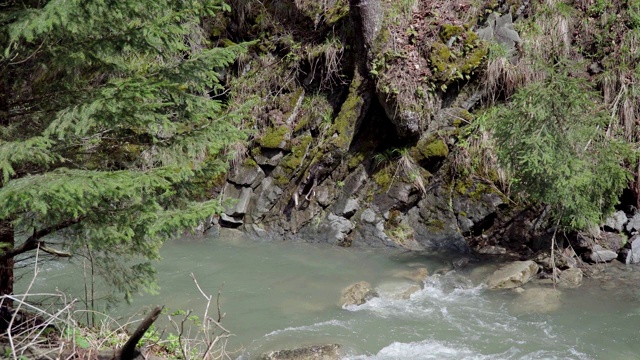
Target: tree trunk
column 7, row 241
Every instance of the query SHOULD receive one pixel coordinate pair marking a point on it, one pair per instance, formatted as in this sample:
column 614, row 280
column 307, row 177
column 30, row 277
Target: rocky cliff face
column 360, row 114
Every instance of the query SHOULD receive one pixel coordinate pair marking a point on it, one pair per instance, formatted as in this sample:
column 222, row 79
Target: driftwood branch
column 128, row 350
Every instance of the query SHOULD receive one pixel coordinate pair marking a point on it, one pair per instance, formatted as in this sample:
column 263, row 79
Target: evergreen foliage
column 107, row 117
column 552, row 137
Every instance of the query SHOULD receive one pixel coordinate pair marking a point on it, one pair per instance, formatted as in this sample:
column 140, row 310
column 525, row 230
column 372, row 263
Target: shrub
column 552, row 137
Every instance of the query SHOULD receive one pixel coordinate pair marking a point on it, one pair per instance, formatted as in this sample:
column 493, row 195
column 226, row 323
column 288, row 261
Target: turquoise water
column 283, row 295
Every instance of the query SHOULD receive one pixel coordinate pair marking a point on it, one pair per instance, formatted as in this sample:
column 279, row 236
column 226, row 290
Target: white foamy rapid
column 449, row 318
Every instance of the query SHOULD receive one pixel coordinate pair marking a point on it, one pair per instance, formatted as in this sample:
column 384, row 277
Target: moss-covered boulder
column 276, row 137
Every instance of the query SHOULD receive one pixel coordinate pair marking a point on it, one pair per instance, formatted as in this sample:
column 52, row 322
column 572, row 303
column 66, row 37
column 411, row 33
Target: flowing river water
column 283, row 295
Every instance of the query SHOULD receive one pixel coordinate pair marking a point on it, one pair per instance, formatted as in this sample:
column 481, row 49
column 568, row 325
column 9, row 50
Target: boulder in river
column 634, row 223
column 357, row 294
column 418, row 274
column 633, row 255
column 512, row 275
column 315, row 352
column 406, row 294
column 599, row 255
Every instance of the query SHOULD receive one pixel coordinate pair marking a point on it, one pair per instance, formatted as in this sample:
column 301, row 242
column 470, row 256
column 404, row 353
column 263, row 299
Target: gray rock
column 323, row 195
column 537, row 300
column 246, row 175
column 633, row 256
column 492, row 250
column 570, row 278
column 370, row 232
column 371, row 16
column 512, row 275
column 460, row 263
column 268, row 157
column 255, row 232
column 500, row 29
column 339, row 227
column 613, row 241
column 315, row 352
column 465, row 223
column 368, row 216
column 634, row 223
column 355, row 181
column 616, row 221
column 265, row 197
column 347, row 208
column 599, row 255
column 543, row 258
column 213, row 231
column 357, row 294
column 435, row 227
column 236, row 199
column 230, row 220
column 400, row 194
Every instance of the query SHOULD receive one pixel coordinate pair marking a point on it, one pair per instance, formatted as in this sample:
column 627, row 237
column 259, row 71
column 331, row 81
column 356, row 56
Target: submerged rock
column 537, row 300
column 316, row 352
column 512, row 275
column 418, row 275
column 401, row 290
column 406, row 294
column 357, row 294
column 570, row 278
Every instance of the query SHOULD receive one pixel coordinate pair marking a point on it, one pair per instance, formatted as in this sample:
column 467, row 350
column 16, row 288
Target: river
column 283, row 295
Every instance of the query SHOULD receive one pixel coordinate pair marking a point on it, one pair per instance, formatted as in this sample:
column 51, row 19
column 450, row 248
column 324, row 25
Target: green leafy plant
column 552, row 138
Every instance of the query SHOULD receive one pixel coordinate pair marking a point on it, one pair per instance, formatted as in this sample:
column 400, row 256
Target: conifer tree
column 108, row 114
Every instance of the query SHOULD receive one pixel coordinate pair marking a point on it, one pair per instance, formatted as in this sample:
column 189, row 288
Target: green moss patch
column 275, row 138
column 383, row 179
column 428, row 148
column 293, row 160
column 344, row 124
column 456, row 56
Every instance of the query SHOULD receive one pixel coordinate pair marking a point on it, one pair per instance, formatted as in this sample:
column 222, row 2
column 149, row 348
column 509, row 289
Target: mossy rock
column 344, row 124
column 337, row 12
column 276, row 138
column 435, row 225
column 293, row 160
column 249, row 162
column 429, row 148
column 447, row 31
column 316, row 112
column 383, row 179
column 456, row 56
column 355, row 160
